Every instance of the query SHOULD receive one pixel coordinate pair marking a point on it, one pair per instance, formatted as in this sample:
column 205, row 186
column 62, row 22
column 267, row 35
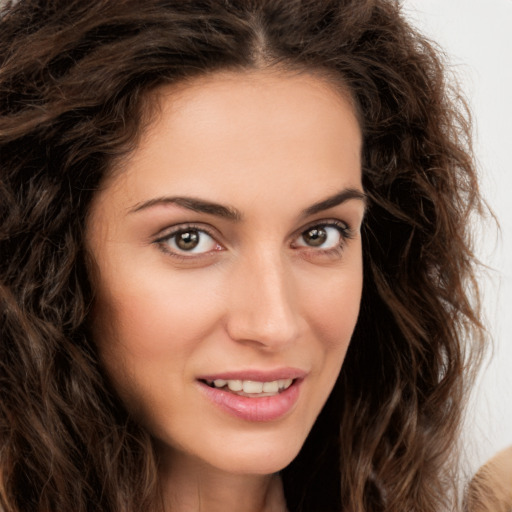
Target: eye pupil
column 187, row 240
column 315, row 236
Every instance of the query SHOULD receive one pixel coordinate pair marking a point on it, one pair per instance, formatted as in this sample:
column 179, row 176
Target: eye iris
column 187, row 240
column 315, row 236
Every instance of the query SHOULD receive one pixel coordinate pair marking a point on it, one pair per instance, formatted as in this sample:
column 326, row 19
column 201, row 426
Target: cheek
column 332, row 315
column 334, row 308
column 141, row 321
column 150, row 314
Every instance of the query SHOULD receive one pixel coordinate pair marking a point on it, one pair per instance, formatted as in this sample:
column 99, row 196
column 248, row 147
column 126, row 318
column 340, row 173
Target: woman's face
column 229, row 268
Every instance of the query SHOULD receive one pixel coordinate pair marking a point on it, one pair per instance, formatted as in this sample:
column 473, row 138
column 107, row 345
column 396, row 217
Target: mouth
column 256, row 396
column 250, row 388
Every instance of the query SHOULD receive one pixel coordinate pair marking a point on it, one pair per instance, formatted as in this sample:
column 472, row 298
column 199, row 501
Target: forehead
column 231, row 130
column 241, row 108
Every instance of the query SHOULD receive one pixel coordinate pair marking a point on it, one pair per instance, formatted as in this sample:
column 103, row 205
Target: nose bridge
column 263, row 306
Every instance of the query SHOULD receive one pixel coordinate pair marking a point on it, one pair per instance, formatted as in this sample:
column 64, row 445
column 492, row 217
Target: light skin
column 229, row 241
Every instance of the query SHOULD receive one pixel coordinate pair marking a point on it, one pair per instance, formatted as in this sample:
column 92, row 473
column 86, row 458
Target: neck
column 194, row 486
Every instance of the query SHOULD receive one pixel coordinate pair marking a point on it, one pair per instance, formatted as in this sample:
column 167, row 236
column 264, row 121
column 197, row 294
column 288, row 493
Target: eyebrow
column 194, row 204
column 335, row 200
column 231, row 213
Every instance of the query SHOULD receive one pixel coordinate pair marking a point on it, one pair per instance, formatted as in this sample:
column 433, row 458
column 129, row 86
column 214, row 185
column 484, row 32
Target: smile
column 251, row 387
column 254, row 396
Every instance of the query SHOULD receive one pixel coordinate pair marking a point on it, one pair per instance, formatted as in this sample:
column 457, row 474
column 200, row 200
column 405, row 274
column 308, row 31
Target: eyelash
column 343, row 229
column 163, row 242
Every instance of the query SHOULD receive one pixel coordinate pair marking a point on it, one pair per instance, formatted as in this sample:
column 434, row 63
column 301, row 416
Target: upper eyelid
column 170, row 231
column 337, row 223
column 326, row 222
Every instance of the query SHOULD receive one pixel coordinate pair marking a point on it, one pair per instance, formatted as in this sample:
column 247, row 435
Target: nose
column 262, row 305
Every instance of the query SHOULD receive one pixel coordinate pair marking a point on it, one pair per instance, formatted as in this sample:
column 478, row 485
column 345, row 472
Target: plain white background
column 476, row 36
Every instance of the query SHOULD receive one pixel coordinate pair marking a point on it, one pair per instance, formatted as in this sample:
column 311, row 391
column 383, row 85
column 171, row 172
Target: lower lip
column 265, row 408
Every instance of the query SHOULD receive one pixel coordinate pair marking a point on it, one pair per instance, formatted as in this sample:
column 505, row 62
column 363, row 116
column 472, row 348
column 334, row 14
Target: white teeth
column 286, row 383
column 271, row 387
column 253, row 387
column 235, row 385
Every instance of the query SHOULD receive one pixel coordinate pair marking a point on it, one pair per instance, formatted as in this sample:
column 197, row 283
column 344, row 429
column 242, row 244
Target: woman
column 202, row 204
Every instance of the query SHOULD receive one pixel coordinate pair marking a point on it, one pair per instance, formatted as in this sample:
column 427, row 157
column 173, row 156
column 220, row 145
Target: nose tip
column 263, row 308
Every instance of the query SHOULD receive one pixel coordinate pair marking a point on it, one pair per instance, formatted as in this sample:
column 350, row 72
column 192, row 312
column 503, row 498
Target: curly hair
column 74, row 77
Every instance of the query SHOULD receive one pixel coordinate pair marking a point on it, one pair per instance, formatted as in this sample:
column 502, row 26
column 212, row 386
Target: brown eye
column 323, row 236
column 189, row 240
column 315, row 236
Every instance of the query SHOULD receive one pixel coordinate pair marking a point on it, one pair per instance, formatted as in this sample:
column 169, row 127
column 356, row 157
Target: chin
column 263, row 465
column 242, row 454
column 260, row 457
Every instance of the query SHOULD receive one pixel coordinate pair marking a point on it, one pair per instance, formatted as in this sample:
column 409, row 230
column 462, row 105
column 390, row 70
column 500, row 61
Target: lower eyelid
column 322, row 255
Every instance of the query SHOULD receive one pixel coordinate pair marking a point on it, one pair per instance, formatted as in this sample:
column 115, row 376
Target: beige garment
column 491, row 488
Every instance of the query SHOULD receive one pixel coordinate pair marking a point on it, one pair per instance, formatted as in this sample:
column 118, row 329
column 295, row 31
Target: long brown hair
column 73, row 79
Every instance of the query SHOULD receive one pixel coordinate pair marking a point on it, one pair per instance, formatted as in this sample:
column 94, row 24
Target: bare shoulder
column 491, row 488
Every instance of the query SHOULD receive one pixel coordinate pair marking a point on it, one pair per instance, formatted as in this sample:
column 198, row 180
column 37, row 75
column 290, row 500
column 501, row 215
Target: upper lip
column 257, row 375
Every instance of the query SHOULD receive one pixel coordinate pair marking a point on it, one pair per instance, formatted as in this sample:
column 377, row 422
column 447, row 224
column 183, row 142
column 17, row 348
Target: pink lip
column 257, row 409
